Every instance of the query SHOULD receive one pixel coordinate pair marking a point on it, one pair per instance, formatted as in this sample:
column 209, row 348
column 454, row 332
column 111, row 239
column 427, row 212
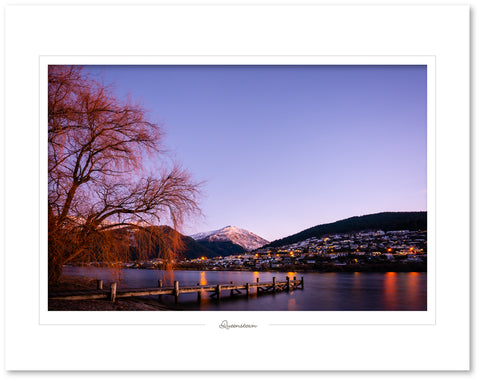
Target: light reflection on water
column 390, row 290
column 203, row 279
column 323, row 291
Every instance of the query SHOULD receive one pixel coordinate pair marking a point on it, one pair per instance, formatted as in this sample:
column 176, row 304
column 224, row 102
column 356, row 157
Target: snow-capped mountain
column 241, row 237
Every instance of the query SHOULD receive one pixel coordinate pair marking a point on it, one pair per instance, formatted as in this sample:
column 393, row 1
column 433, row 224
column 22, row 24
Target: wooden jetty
column 216, row 290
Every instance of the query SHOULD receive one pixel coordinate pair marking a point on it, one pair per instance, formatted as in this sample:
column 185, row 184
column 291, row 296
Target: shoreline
column 71, row 283
column 381, row 267
column 336, row 269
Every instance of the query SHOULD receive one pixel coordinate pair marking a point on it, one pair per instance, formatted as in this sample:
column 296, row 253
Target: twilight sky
column 285, row 148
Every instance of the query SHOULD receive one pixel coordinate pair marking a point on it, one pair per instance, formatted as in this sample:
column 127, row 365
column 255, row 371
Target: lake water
column 357, row 291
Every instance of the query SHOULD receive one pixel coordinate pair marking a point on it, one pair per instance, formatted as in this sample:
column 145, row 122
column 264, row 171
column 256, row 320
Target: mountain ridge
column 380, row 221
column 241, row 237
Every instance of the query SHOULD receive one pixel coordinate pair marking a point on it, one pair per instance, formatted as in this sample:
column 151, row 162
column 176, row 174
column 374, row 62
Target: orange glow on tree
column 102, row 202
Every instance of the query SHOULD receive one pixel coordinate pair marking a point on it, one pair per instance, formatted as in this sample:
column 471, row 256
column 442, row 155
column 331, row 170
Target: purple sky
column 285, row 148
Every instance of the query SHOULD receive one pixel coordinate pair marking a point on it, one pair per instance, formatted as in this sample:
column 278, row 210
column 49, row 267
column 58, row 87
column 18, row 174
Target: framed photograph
column 256, row 274
column 239, row 187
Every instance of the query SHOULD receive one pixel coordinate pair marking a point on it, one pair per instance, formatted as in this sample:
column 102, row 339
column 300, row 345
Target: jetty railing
column 216, row 290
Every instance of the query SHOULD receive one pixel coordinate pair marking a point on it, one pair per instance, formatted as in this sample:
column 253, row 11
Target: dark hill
column 380, row 221
column 222, row 248
column 161, row 236
column 194, row 249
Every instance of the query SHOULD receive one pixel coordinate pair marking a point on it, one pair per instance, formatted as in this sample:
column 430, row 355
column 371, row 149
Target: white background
column 256, row 30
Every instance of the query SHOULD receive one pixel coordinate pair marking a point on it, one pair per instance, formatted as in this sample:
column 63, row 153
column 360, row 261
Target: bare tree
column 101, row 176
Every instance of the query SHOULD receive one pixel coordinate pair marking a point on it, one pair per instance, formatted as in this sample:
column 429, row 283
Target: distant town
column 400, row 250
column 363, row 248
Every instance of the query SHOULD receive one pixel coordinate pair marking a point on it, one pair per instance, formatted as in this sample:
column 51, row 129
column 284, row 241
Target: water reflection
column 322, row 292
column 414, row 290
column 357, row 290
column 292, row 304
column 390, row 290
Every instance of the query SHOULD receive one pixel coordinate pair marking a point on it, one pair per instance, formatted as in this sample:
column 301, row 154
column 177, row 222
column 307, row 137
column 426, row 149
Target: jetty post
column 219, row 292
column 199, row 294
column 113, row 291
column 274, row 287
column 99, row 284
column 176, row 290
column 160, row 284
column 247, row 289
column 288, row 283
column 231, row 291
